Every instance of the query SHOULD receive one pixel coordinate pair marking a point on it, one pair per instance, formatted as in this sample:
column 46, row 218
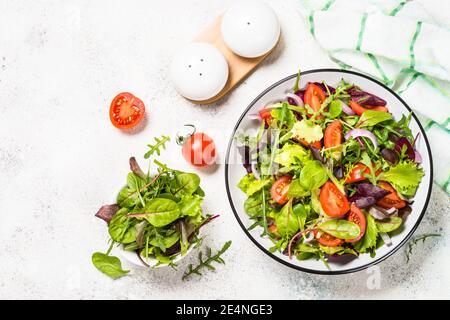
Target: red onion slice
column 347, row 110
column 362, row 133
column 309, row 237
column 387, row 240
column 377, row 214
column 296, row 98
column 417, row 157
column 254, row 116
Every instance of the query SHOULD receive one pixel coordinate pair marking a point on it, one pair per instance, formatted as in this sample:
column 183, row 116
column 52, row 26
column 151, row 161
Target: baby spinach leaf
column 159, row 212
column 250, row 185
column 371, row 117
column 190, row 206
column 287, row 221
column 185, row 184
column 127, row 198
column 369, row 240
column 121, row 228
column 253, row 206
column 301, row 211
column 389, row 224
column 335, row 109
column 164, row 241
column 296, row 190
column 341, row 229
column 313, row 175
column 109, row 265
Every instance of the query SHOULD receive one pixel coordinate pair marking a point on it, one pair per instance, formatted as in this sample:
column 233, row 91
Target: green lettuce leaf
column 290, row 154
column 306, row 130
column 404, row 177
column 369, row 240
column 250, row 185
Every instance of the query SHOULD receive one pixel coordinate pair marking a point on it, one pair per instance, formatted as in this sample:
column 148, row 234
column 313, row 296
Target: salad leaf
column 369, row 240
column 302, row 213
column 185, row 184
column 404, row 177
column 341, row 229
column 287, row 220
column 159, row 212
column 250, row 185
column 307, row 131
column 335, row 108
column 284, row 116
column 191, row 206
column 253, row 206
column 296, row 189
column 121, row 229
column 313, row 175
column 388, row 225
column 371, row 117
column 367, row 161
column 337, row 250
column 109, row 265
column 290, row 154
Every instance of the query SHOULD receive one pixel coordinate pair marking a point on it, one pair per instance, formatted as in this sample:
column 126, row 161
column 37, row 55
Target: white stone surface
column 61, row 63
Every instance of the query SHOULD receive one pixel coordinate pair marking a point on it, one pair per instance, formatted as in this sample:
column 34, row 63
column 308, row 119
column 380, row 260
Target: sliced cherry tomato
column 333, row 134
column 199, row 149
column 314, row 97
column 358, row 173
column 126, row 111
column 328, row 240
column 392, row 200
column 359, row 110
column 357, row 216
column 280, row 188
column 316, row 144
column 266, row 115
column 273, row 228
column 334, row 203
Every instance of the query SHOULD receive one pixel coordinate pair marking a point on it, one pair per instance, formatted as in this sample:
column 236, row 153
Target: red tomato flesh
column 126, row 111
column 199, row 150
column 280, row 188
column 392, row 200
column 357, row 216
column 334, row 203
column 333, row 134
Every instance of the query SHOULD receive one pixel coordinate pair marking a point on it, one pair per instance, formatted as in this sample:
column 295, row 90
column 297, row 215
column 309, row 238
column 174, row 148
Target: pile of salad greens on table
column 330, row 172
column 157, row 216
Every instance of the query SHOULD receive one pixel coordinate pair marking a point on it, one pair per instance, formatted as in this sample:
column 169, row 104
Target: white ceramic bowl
column 234, row 171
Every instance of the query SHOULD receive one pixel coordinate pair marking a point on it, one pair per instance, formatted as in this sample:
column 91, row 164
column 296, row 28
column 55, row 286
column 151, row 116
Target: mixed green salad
column 157, row 216
column 330, row 172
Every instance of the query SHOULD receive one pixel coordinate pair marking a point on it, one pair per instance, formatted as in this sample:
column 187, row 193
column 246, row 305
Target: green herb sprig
column 206, row 263
column 412, row 243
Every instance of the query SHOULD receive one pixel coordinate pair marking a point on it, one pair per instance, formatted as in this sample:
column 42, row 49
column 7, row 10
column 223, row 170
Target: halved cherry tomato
column 358, row 173
column 359, row 110
column 392, row 200
column 328, row 240
column 314, row 97
column 316, row 144
column 280, row 188
column 334, row 203
column 357, row 216
column 126, row 111
column 199, row 149
column 266, row 115
column 333, row 134
column 273, row 228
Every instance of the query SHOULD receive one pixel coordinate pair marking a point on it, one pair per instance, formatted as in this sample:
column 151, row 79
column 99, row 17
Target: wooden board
column 239, row 67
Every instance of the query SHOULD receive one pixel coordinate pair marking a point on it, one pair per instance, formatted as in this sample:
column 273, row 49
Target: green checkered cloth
column 402, row 45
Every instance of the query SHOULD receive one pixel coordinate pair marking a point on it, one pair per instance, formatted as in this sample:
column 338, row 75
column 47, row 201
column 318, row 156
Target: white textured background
column 61, row 63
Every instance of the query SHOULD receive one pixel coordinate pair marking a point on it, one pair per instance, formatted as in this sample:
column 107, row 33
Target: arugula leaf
column 389, row 224
column 367, row 161
column 341, row 229
column 369, row 240
column 313, row 175
column 290, row 154
column 297, row 81
column 109, row 265
column 284, row 116
column 306, row 130
column 370, row 118
column 404, row 177
column 160, row 143
column 250, row 185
